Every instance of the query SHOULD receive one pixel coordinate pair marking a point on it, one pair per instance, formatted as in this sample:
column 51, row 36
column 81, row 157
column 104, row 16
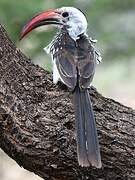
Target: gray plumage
column 75, row 62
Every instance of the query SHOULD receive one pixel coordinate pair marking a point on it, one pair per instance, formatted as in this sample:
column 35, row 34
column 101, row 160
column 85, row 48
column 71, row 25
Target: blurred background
column 111, row 22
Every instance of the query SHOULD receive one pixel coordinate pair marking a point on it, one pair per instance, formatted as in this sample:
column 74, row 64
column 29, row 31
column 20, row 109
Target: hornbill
column 74, row 58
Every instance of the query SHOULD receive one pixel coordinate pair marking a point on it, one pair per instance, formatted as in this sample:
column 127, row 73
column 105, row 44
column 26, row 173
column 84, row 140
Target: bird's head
column 69, row 18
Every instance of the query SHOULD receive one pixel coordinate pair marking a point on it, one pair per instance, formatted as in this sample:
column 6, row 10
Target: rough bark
column 37, row 123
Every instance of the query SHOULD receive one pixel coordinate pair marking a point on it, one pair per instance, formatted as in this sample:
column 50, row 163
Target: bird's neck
column 64, row 34
column 75, row 35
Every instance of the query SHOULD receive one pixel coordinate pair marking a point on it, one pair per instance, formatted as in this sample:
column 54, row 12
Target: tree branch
column 37, row 123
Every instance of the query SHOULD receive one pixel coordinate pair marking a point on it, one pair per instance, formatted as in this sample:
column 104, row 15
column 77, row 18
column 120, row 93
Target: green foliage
column 104, row 17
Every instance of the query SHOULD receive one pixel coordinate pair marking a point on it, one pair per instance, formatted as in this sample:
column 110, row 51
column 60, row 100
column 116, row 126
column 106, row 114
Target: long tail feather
column 93, row 150
column 80, row 130
column 87, row 139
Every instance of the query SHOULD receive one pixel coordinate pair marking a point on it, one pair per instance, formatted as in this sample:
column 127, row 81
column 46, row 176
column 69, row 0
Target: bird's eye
column 65, row 14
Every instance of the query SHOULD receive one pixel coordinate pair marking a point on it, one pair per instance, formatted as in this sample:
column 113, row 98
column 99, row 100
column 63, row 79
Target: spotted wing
column 65, row 58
